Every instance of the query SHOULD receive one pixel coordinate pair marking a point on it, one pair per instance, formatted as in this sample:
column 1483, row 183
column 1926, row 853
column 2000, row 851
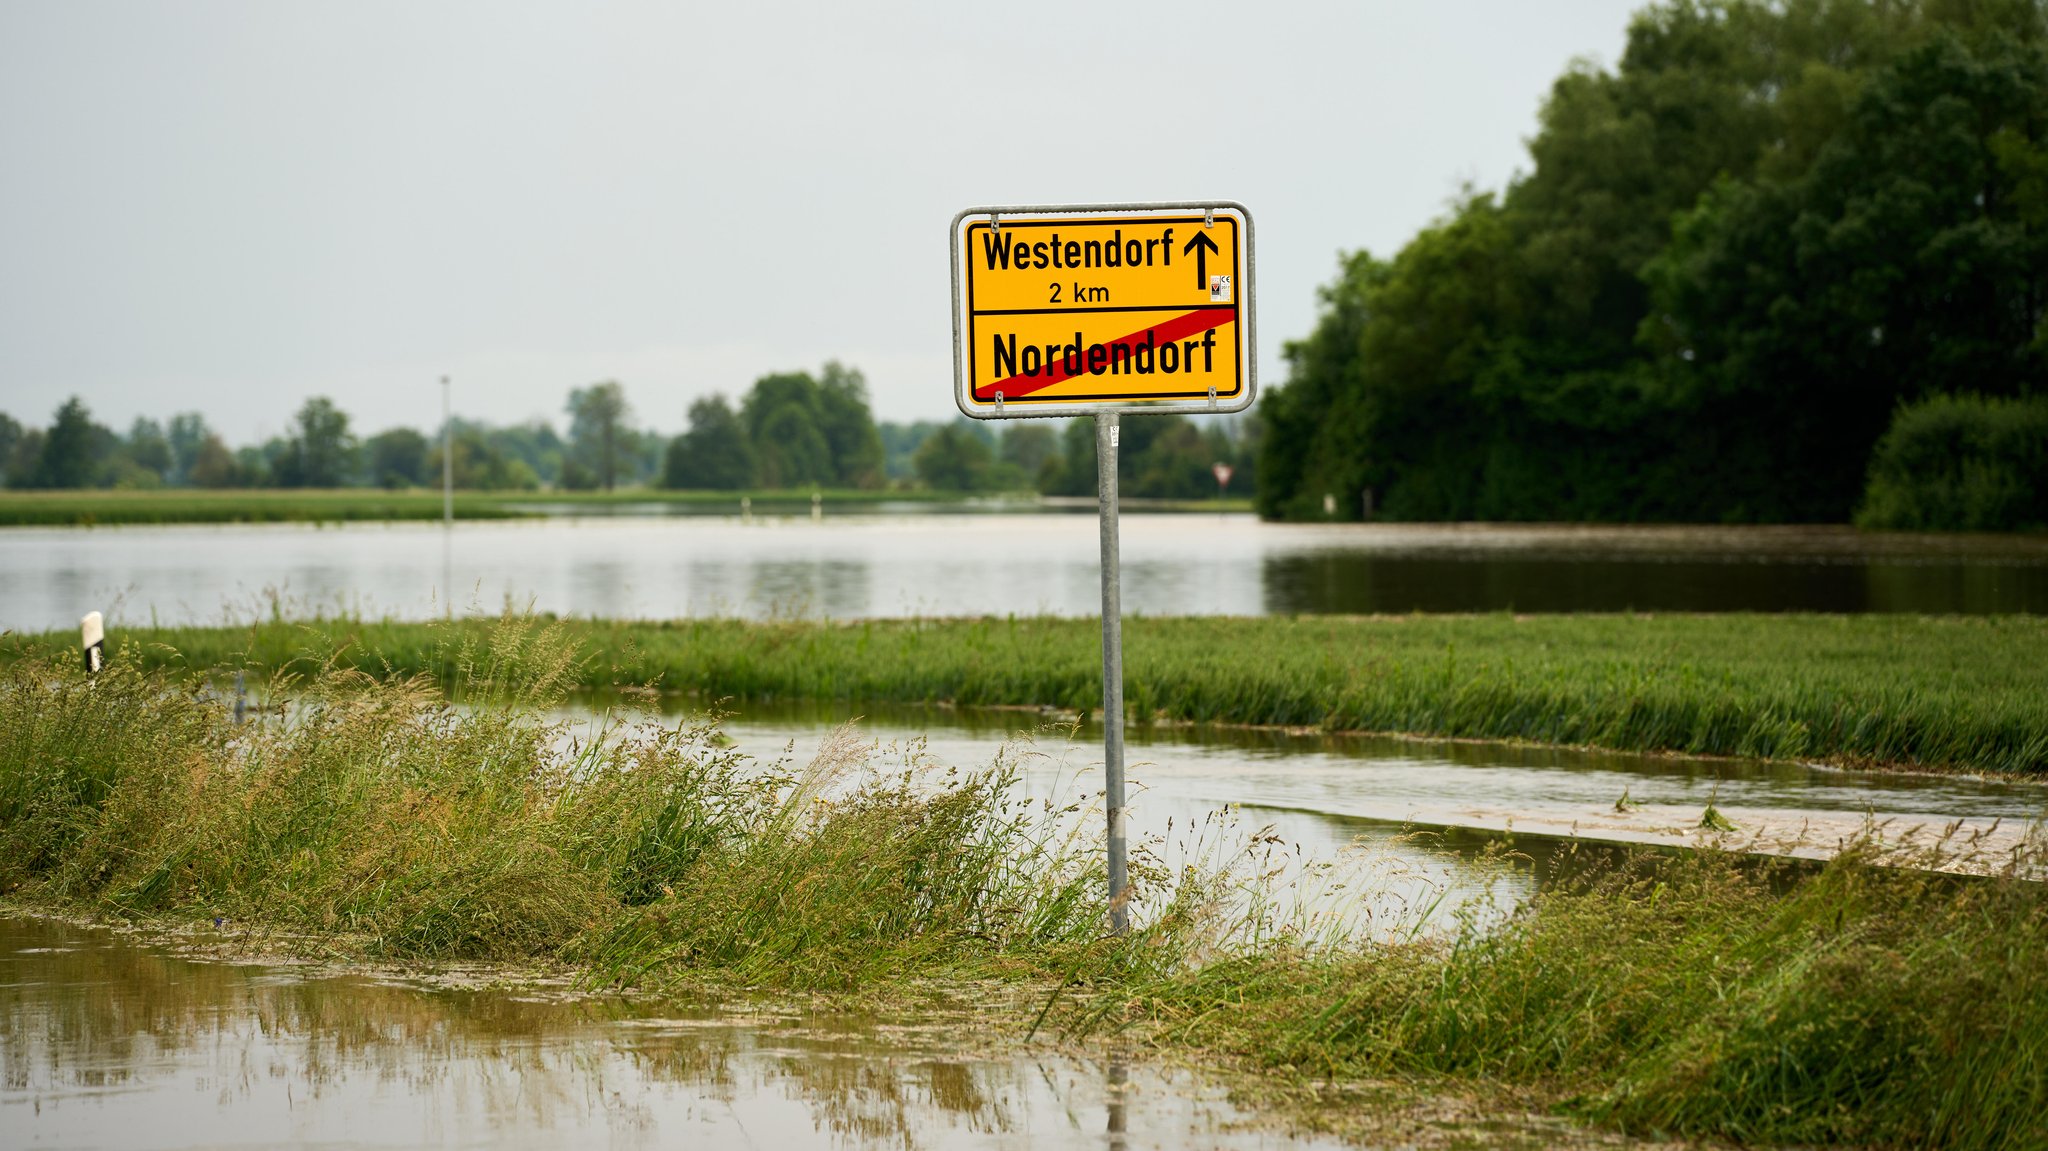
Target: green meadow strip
column 1967, row 693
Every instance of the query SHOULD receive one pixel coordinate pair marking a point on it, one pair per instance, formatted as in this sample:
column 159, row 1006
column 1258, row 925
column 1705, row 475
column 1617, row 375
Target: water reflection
column 1365, row 583
column 105, row 1043
column 990, row 564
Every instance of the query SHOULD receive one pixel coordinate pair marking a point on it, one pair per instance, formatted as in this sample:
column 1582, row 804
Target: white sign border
column 1248, row 360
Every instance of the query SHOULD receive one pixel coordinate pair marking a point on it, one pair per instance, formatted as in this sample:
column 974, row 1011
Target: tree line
column 790, row 430
column 1775, row 231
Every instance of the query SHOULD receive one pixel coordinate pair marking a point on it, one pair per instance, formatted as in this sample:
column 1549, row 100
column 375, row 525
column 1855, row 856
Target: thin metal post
column 1112, row 670
column 447, row 460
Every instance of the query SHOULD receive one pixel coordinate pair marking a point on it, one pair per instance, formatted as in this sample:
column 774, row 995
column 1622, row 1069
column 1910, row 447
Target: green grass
column 1696, row 994
column 184, row 505
column 1893, row 690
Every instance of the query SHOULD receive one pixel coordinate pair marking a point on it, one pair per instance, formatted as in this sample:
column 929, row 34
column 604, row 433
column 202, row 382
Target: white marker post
column 1099, row 310
column 93, row 633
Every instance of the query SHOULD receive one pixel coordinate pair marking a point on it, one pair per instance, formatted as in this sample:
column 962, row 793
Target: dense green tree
column 69, row 456
column 784, row 420
column 1910, row 259
column 1158, row 457
column 214, row 466
column 149, row 450
column 481, row 465
column 849, row 427
column 534, row 443
column 598, row 432
column 11, row 433
column 397, row 458
column 25, row 462
column 900, row 443
column 321, row 451
column 1027, row 446
column 954, row 459
column 186, row 432
column 713, row 454
column 1734, row 255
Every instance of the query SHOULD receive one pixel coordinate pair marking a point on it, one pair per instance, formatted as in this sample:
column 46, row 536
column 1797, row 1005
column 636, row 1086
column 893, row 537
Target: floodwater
column 108, row 1042
column 896, row 563
column 1328, row 793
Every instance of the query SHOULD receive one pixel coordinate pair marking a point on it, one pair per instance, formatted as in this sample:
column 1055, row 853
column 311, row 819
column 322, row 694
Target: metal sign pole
column 1112, row 670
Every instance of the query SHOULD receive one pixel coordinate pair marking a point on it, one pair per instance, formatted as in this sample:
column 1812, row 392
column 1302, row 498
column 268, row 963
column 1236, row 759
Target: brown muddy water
column 111, row 1042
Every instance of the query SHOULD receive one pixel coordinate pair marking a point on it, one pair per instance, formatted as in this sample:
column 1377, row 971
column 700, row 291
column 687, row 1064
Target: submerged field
column 1696, row 995
column 1900, row 691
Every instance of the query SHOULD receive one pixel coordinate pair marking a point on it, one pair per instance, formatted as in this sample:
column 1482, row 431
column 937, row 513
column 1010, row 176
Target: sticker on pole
column 1074, row 310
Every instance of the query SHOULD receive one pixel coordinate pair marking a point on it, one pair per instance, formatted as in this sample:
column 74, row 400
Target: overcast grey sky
column 229, row 207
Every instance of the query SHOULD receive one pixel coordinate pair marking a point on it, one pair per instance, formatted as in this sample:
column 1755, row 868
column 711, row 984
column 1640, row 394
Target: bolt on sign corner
column 1065, row 311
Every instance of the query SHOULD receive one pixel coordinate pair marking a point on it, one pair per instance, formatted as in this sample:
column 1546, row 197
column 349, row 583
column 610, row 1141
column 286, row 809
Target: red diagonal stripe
column 1179, row 327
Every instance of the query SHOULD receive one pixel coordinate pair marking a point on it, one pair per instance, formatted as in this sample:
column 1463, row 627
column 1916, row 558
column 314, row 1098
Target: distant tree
column 714, row 454
column 11, row 433
column 67, row 458
column 1175, row 464
column 784, row 420
column 598, row 430
column 321, row 452
column 25, row 462
column 186, row 431
column 1028, row 447
column 574, row 477
column 147, row 448
column 954, row 459
column 900, row 442
column 481, row 465
column 256, row 466
column 214, row 466
column 398, row 458
column 1073, row 472
column 849, row 427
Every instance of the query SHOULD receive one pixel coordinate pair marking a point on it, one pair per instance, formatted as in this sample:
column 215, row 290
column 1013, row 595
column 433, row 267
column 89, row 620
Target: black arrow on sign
column 1201, row 246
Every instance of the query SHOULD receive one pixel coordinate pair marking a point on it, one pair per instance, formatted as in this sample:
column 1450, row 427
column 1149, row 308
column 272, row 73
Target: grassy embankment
column 184, row 505
column 1905, row 691
column 1691, row 995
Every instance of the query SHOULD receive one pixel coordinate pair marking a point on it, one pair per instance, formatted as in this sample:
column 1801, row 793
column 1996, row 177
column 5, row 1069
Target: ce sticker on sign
column 1078, row 310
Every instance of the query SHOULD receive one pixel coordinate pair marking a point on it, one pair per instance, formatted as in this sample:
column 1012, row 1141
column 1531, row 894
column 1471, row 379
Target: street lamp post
column 447, row 461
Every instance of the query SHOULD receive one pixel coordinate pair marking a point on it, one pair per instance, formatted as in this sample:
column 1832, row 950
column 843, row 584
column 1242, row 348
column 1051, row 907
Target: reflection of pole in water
column 448, row 570
column 1116, row 1081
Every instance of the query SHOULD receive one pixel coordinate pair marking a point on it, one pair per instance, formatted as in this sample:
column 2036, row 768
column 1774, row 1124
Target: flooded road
column 947, row 564
column 1327, row 791
column 111, row 1043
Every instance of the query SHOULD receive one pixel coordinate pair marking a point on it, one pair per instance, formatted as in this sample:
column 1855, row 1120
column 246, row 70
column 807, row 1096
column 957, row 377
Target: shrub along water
column 1961, row 463
column 1881, row 689
column 1699, row 994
